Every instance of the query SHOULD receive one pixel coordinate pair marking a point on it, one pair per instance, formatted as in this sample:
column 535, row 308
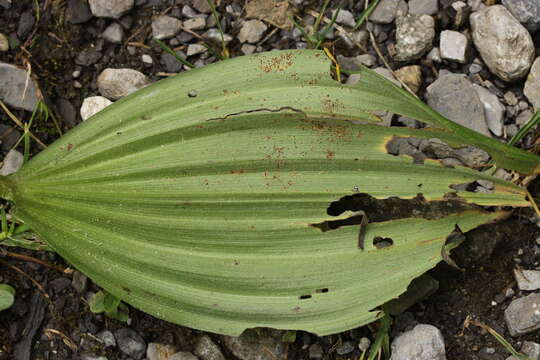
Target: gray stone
column 524, row 117
column 523, row 315
column 196, row 23
column 345, row 17
column 4, row 43
column 493, row 110
column 92, row 105
column 187, row 11
column 201, row 6
column 367, row 60
column 419, row 7
column 206, row 349
column 423, row 342
column 345, row 348
column 110, row 8
column 385, row 12
column 252, row 31
column 172, row 65
column 164, row 27
column 67, row 111
column 15, row 91
column 79, row 282
column 157, row 351
column 453, row 46
column 528, row 280
column 414, row 36
column 531, row 349
column 26, row 24
column 435, row 55
column 526, row 11
column 315, row 352
column 182, row 355
column 88, row 57
column 455, row 98
column 264, row 344
column 131, row 343
column 114, row 33
column 532, row 85
column 107, row 337
column 117, row 83
column 12, row 162
column 194, row 49
column 505, row 45
column 475, row 68
column 248, row 49
column 78, row 12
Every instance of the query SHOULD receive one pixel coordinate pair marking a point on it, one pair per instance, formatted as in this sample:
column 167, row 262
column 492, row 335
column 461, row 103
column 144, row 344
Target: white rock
column 414, row 36
column 117, row 83
column 17, row 89
column 147, row 59
column 110, row 8
column 92, row 105
column 164, row 27
column 434, row 55
column 504, row 44
column 419, row 7
column 532, row 85
column 528, row 280
column 345, row 17
column 493, row 110
column 252, row 31
column 12, row 162
column 194, row 49
column 196, row 23
column 453, row 46
column 424, row 342
column 113, row 33
column 523, row 315
column 4, row 43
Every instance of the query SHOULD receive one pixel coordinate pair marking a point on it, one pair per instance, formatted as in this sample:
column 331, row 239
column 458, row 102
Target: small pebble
column 364, row 344
column 147, row 59
column 4, row 43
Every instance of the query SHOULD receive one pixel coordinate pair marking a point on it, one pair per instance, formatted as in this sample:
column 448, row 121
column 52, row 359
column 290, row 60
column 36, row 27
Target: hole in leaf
column 322, row 291
column 381, row 243
column 478, row 186
column 304, row 297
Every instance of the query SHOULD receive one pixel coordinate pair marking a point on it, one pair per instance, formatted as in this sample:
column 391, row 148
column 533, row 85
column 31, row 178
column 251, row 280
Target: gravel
column 424, row 342
column 414, row 36
column 110, row 8
column 453, row 46
column 117, row 83
column 532, row 85
column 523, row 315
column 15, row 90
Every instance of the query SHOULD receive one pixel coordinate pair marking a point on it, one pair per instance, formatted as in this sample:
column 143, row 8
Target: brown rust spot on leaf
column 277, row 63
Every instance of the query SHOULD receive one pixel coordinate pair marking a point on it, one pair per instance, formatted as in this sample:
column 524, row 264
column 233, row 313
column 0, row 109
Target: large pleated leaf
column 193, row 198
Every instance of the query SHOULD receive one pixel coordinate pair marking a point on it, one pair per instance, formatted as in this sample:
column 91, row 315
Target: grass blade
column 365, row 14
column 173, row 53
column 224, row 50
column 525, row 128
column 327, row 28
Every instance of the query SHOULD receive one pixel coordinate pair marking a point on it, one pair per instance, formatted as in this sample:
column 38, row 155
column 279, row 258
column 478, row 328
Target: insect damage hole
column 304, row 297
column 380, row 242
column 322, row 291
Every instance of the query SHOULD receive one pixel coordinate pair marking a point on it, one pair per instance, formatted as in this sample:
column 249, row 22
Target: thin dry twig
column 70, row 343
column 37, row 261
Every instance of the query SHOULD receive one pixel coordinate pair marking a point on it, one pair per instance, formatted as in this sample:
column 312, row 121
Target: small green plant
column 315, row 38
column 104, row 302
column 365, row 14
column 525, row 128
column 7, row 296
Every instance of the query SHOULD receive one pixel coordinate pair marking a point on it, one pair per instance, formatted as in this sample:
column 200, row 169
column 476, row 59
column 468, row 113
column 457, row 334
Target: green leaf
column 97, row 302
column 194, row 199
column 7, row 296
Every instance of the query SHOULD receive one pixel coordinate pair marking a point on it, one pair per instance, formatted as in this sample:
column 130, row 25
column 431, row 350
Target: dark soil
column 62, row 321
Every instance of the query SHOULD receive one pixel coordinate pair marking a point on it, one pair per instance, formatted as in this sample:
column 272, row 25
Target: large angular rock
column 528, row 280
column 15, row 90
column 252, row 31
column 504, row 44
column 117, row 83
column 453, row 46
column 526, row 11
column 454, row 97
column 424, row 342
column 523, row 315
column 414, row 36
column 110, row 8
column 532, row 85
